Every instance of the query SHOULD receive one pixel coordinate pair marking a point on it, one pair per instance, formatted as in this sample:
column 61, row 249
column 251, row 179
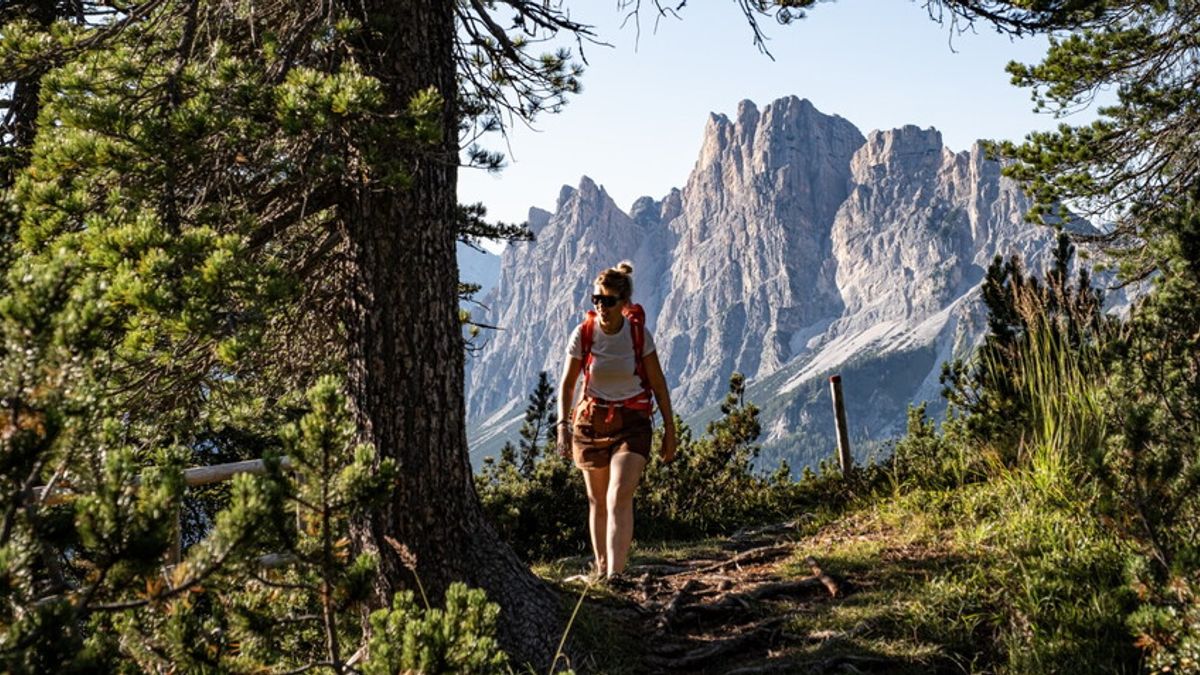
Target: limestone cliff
column 797, row 247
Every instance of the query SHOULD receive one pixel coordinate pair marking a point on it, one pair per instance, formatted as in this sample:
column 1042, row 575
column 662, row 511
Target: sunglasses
column 605, row 300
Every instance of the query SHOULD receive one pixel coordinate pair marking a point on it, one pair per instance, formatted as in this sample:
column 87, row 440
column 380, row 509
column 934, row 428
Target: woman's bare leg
column 626, row 469
column 597, row 491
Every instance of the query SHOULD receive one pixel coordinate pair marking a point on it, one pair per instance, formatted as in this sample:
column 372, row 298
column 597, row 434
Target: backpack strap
column 637, row 329
column 587, row 333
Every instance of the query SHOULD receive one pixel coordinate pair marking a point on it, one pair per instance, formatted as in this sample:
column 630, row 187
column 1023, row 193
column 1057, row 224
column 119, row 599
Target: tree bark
column 405, row 375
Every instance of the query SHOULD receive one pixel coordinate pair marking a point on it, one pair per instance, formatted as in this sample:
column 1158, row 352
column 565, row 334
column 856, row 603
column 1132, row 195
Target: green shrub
column 925, row 457
column 1149, row 465
column 543, row 515
column 996, row 389
column 1081, row 409
column 534, row 497
column 712, row 486
column 458, row 639
column 1168, row 624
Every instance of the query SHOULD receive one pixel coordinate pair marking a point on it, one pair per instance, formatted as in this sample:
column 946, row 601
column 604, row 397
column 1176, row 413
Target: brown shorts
column 595, row 440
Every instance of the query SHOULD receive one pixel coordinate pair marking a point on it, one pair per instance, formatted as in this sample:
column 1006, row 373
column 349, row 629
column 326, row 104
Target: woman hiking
column 608, row 433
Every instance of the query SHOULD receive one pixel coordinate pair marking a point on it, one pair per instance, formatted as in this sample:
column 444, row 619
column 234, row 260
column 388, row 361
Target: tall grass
column 1061, row 385
column 1063, row 594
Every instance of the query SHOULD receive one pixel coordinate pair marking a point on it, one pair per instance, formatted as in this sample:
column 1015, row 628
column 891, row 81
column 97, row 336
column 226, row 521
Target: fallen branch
column 743, row 537
column 779, row 588
column 835, row 589
column 197, row 475
column 662, row 570
column 753, row 555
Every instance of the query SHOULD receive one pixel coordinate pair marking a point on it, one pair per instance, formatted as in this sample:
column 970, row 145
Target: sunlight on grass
column 1006, row 575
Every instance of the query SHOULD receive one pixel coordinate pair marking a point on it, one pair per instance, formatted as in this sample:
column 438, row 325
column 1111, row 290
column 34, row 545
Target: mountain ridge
column 797, row 244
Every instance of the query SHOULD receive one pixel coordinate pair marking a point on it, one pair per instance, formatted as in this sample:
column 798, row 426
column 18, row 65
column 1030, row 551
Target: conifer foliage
column 1138, row 168
column 537, row 433
column 712, row 485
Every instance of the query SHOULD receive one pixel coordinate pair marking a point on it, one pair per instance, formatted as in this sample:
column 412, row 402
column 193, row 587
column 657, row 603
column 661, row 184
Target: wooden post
column 845, row 461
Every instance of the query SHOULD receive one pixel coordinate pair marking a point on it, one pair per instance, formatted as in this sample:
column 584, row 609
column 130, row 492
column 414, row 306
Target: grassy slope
column 1007, row 576
column 998, row 576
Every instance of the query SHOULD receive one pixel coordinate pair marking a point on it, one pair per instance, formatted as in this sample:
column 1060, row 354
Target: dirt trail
column 730, row 613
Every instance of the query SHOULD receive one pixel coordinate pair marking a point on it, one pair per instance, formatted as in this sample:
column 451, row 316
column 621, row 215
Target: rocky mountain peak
column 646, row 211
column 796, row 246
column 908, row 149
column 672, row 204
column 752, row 242
column 747, row 118
column 565, row 193
column 537, row 219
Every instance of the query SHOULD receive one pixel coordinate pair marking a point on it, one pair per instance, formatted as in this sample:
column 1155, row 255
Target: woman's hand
column 668, row 443
column 564, row 440
column 566, row 394
column 658, row 383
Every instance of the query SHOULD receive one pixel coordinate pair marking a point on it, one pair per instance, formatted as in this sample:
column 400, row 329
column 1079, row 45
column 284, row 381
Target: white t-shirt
column 614, row 373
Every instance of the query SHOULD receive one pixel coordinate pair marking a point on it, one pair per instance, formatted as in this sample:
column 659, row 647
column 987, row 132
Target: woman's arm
column 658, row 384
column 566, row 398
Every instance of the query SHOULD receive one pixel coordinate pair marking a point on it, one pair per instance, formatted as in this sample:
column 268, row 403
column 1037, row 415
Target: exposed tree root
column 704, row 657
column 716, row 616
column 734, row 607
column 744, row 539
column 763, row 669
column 857, row 663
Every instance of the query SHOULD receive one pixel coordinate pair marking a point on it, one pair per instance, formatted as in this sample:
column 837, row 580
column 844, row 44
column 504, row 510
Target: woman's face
column 599, row 296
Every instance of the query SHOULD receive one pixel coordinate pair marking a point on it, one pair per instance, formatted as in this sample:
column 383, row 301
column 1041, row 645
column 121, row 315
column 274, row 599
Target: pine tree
column 208, row 227
column 537, row 433
column 1138, row 161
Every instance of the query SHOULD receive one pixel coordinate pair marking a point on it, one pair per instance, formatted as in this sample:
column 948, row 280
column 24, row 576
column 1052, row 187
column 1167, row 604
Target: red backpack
column 636, row 317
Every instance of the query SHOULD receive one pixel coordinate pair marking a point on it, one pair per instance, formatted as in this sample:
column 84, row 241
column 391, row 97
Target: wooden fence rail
column 195, row 476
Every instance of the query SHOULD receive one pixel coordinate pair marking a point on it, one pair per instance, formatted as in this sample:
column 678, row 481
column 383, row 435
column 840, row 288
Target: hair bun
column 625, row 267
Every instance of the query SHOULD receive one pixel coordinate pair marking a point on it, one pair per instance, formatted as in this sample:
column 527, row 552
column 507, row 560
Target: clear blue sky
column 636, row 127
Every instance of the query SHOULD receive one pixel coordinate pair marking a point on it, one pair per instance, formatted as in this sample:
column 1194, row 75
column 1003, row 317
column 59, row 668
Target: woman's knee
column 620, row 500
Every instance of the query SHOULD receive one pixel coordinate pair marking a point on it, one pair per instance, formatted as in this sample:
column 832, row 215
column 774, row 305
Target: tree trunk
column 20, row 120
column 406, row 351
